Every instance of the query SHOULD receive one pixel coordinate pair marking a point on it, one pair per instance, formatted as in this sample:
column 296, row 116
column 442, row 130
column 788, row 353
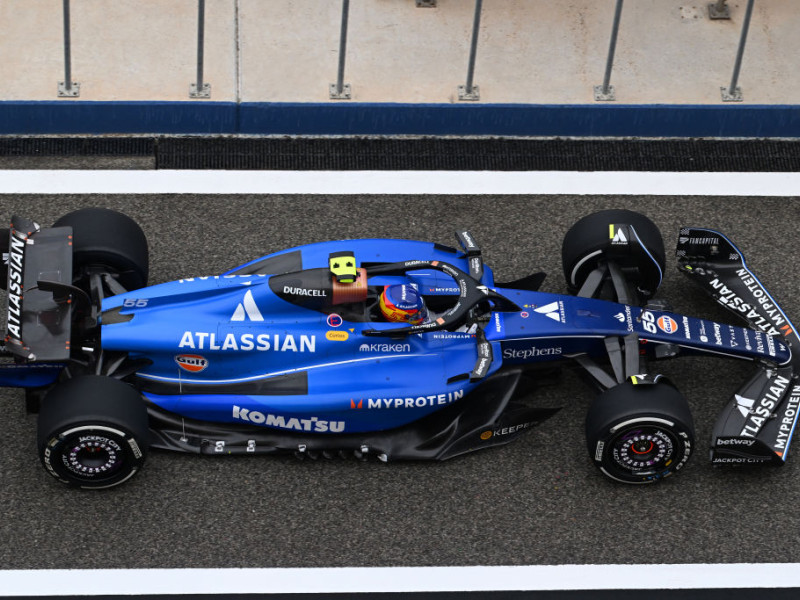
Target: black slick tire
column 93, row 432
column 110, row 240
column 587, row 243
column 640, row 433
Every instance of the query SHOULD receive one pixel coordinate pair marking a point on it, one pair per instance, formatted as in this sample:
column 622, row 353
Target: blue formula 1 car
column 293, row 353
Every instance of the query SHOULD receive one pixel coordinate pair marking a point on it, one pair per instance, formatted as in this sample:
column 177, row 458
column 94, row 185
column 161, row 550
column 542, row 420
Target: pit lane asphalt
column 536, row 501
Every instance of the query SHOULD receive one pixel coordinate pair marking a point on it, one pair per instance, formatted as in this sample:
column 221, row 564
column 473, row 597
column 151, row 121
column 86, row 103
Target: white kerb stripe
column 388, row 182
column 397, row 579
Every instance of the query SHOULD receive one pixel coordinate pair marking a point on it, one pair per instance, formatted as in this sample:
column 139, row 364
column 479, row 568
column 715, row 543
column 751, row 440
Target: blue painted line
column 652, row 120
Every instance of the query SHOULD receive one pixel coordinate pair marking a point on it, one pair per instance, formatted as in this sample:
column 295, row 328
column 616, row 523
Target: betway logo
column 734, row 442
column 247, row 309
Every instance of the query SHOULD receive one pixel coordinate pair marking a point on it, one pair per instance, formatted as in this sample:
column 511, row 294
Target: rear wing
column 38, row 324
column 758, row 423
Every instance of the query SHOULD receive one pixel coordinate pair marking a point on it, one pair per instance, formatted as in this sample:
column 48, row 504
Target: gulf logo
column 194, row 363
column 667, row 324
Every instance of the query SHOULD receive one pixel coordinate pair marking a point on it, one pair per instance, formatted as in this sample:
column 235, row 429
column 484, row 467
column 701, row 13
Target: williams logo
column 247, row 309
column 194, row 363
column 554, row 310
column 617, row 235
column 745, row 405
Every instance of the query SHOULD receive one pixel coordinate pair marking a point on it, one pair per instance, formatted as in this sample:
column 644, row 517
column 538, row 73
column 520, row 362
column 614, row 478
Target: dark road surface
column 536, row 501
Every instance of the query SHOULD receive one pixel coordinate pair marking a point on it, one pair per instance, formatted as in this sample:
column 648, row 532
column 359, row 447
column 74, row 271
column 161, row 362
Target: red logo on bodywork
column 194, row 363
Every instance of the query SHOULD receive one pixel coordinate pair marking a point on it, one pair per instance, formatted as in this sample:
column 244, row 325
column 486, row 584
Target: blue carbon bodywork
column 251, row 347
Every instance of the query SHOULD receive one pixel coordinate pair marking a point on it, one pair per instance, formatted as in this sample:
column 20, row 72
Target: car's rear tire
column 640, row 433
column 587, row 243
column 110, row 240
column 93, row 432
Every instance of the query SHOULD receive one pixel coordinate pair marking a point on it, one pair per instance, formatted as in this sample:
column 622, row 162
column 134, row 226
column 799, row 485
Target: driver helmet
column 402, row 303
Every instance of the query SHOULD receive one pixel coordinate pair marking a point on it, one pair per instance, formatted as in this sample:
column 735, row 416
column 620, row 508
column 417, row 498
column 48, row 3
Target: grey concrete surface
column 536, row 501
column 529, row 51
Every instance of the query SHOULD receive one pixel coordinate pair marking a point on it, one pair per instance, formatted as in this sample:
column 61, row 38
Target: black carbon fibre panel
column 386, row 153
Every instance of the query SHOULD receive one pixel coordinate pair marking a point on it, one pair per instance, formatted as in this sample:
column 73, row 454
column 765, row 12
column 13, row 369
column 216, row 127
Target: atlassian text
column 15, row 254
column 263, row 342
column 764, row 409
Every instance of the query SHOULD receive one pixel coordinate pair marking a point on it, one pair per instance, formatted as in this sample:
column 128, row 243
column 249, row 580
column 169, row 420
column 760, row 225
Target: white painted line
column 399, row 182
column 397, row 579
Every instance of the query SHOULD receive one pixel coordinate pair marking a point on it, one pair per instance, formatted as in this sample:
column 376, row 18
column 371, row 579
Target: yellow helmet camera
column 343, row 266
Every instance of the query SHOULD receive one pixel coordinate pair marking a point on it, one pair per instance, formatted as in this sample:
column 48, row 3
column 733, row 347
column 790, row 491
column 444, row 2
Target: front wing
column 758, row 423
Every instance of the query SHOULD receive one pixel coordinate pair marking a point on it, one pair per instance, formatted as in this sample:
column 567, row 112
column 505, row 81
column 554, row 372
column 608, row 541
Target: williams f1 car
column 291, row 353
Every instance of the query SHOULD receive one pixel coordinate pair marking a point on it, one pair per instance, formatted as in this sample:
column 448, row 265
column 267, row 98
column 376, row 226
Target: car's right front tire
column 640, row 433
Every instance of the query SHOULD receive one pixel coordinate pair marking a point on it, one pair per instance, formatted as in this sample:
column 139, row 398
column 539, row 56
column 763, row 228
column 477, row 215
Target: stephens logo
column 667, row 324
column 194, row 363
column 526, row 353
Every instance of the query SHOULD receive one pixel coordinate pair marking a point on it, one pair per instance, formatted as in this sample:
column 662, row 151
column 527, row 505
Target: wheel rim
column 94, row 454
column 643, row 449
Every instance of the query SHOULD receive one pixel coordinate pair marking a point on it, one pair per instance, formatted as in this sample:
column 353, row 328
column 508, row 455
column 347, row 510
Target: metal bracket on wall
column 73, row 91
column 727, row 96
column 203, row 92
column 472, row 95
column 426, row 3
column 340, row 94
column 719, row 10
column 604, row 95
